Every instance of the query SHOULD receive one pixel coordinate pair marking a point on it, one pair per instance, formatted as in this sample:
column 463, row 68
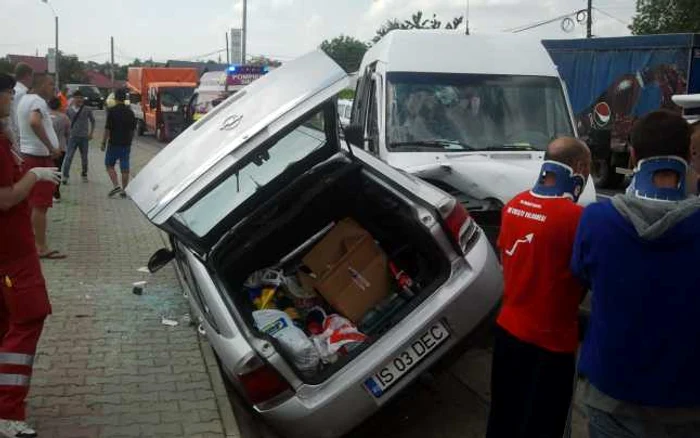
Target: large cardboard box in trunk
column 351, row 271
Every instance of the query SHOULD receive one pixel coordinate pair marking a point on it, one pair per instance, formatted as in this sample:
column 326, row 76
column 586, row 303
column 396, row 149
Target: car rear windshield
column 89, row 91
column 255, row 172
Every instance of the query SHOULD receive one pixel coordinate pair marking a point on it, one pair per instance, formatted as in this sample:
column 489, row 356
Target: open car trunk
column 281, row 232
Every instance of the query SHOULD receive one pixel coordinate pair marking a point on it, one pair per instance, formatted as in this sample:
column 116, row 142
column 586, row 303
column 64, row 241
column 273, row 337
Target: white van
column 471, row 114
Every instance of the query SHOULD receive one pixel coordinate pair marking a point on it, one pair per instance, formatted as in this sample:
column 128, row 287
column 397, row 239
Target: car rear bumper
column 335, row 407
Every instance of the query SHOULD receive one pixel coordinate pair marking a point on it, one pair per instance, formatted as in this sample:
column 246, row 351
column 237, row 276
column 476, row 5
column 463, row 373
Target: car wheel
column 160, row 134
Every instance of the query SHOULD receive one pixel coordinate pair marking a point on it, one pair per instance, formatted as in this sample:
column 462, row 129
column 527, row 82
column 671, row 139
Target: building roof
column 441, row 51
column 202, row 67
column 38, row 63
column 102, row 81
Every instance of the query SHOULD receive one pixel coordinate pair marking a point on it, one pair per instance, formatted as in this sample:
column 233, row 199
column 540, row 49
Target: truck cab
column 165, row 112
column 473, row 115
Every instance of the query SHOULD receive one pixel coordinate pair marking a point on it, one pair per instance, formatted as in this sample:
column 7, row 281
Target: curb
column 228, row 419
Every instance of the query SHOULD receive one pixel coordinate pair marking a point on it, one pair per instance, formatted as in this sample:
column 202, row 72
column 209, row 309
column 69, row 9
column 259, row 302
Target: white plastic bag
column 294, row 341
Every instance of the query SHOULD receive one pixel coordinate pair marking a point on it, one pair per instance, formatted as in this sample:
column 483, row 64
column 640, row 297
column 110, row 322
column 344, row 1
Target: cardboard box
column 351, row 270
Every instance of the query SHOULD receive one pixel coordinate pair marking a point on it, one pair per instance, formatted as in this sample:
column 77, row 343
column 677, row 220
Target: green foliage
column 417, row 21
column 6, row 66
column 71, row 69
column 346, row 51
column 348, row 94
column 666, row 16
column 263, row 60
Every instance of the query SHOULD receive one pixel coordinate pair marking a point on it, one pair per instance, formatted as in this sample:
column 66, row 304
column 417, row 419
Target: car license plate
column 419, row 349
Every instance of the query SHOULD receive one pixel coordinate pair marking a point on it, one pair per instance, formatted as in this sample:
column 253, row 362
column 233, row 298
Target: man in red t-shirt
column 534, row 354
column 24, row 303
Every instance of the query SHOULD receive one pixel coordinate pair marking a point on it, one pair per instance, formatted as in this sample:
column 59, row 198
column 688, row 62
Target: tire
column 604, row 175
column 160, row 134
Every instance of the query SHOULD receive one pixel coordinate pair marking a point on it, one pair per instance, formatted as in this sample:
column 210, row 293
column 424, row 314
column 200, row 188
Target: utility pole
column 111, row 63
column 467, row 18
column 228, row 53
column 57, row 54
column 589, row 19
column 244, row 30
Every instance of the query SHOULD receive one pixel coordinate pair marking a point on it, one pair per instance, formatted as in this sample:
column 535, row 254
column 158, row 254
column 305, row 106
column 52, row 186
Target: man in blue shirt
column 638, row 254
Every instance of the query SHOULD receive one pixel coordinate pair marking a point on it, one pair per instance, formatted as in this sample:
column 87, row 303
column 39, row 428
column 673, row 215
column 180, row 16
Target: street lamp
column 55, row 15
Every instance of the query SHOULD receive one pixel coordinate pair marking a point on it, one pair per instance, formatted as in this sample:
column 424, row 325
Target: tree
column 264, row 60
column 666, row 16
column 6, row 66
column 71, row 69
column 346, row 51
column 417, row 21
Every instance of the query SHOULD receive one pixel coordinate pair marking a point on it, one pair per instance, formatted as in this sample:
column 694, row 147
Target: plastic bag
column 292, row 339
column 339, row 336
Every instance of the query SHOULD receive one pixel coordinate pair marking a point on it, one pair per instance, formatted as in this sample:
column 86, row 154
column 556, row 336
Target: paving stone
column 106, row 366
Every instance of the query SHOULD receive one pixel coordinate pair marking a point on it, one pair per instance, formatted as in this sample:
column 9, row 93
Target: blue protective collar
column 643, row 182
column 568, row 184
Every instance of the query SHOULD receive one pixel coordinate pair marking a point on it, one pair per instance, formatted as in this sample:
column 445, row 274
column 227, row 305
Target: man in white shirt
column 24, row 76
column 39, row 146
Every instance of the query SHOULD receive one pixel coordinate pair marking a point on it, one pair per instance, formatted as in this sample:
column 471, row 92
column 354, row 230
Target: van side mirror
column 355, row 135
column 159, row 259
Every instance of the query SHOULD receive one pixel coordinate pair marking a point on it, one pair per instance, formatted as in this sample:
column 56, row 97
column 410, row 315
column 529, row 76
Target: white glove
column 50, row 174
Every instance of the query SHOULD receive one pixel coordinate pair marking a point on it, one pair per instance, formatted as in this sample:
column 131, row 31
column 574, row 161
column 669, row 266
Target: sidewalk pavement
column 106, row 365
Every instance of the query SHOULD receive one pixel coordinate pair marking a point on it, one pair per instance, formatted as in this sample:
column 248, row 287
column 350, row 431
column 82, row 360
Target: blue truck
column 612, row 82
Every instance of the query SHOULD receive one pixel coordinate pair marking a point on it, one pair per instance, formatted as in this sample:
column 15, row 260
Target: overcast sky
column 283, row 29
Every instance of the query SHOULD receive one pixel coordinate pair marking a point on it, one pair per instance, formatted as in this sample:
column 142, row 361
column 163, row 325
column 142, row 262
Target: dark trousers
column 531, row 389
column 59, row 163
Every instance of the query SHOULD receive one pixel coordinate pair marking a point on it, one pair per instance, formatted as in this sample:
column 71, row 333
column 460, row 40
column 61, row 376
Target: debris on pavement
column 169, row 322
column 138, row 287
column 143, row 269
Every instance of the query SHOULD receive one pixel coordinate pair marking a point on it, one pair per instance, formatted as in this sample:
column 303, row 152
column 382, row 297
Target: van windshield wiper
column 433, row 144
column 511, row 147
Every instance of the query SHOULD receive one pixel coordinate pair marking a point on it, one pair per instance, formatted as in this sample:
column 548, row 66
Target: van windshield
column 462, row 112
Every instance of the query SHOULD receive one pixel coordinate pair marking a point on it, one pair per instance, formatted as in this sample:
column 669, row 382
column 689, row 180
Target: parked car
column 91, row 93
column 344, row 111
column 255, row 183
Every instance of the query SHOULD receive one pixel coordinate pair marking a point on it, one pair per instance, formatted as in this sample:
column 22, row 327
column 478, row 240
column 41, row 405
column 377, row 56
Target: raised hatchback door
column 208, row 149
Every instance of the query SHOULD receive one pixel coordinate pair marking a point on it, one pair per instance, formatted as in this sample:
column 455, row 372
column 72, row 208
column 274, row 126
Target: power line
column 611, row 16
column 542, row 23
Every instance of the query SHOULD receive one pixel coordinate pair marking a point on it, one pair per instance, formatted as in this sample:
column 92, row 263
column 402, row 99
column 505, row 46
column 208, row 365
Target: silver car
column 252, row 184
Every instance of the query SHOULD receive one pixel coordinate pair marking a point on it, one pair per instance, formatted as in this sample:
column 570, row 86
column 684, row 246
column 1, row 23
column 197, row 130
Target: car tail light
column 460, row 225
column 261, row 382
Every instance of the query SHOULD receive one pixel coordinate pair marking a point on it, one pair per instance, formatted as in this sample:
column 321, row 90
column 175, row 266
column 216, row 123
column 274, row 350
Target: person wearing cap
column 537, row 333
column 118, row 135
column 638, row 255
column 82, row 128
column 24, row 302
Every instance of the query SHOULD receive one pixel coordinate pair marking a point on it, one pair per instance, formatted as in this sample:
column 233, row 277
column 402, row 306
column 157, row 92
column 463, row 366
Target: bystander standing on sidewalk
column 639, row 254
column 534, row 354
column 82, row 129
column 119, row 133
column 24, row 302
column 39, row 146
column 61, row 124
column 24, row 75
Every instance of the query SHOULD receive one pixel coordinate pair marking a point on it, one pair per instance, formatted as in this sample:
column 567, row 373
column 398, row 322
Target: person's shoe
column 122, row 194
column 114, row 192
column 85, row 178
column 64, row 180
column 16, row 429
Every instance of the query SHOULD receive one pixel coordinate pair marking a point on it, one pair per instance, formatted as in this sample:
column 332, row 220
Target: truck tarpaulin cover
column 609, row 79
column 140, row 77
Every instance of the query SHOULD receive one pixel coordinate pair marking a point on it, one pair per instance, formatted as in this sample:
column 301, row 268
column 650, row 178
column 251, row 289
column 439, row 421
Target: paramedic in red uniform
column 534, row 353
column 24, row 303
